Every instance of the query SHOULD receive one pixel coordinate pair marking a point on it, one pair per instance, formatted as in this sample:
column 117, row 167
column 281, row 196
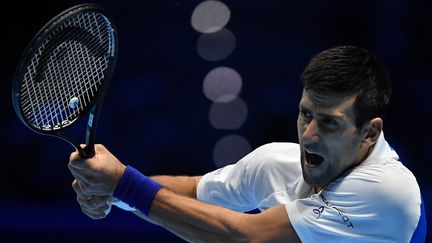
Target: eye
column 329, row 122
column 306, row 115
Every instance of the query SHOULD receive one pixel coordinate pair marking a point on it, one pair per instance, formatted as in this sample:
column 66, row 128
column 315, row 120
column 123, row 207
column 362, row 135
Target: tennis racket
column 64, row 74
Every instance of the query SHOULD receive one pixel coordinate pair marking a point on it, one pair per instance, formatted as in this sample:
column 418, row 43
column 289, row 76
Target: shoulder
column 386, row 191
column 380, row 200
column 385, row 180
column 242, row 186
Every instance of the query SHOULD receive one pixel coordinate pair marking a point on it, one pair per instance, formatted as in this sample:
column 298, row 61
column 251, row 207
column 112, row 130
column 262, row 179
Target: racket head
column 65, row 70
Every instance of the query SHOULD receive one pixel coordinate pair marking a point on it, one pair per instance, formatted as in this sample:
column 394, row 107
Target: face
column 329, row 141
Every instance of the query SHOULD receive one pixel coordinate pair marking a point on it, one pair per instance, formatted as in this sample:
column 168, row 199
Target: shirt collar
column 381, row 151
column 303, row 189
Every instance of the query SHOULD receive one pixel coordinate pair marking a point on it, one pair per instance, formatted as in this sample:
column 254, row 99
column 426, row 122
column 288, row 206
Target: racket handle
column 87, row 152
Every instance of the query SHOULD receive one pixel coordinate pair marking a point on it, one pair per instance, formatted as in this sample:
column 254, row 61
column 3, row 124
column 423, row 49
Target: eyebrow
column 336, row 117
column 322, row 114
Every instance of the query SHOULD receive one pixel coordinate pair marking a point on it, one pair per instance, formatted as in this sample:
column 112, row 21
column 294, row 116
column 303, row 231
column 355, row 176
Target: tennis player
column 342, row 182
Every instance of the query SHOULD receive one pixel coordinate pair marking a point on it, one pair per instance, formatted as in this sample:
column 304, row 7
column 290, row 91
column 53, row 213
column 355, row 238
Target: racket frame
column 94, row 108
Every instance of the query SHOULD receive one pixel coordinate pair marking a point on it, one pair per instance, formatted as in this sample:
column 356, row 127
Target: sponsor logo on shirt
column 318, row 211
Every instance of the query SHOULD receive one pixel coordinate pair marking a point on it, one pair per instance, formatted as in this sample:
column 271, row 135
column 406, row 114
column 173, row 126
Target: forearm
column 183, row 215
column 191, row 227
column 182, row 185
column 192, row 220
column 195, row 221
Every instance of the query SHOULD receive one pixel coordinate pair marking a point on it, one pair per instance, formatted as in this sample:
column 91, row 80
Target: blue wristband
column 137, row 190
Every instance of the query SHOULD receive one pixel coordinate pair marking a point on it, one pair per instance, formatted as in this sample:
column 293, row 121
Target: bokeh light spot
column 222, row 84
column 216, row 46
column 231, row 115
column 210, row 16
column 230, row 149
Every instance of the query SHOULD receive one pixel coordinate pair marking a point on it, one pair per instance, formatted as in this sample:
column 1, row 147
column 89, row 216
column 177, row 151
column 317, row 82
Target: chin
column 314, row 179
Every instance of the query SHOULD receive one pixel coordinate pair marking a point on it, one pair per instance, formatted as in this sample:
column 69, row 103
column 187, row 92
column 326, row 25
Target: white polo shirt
column 377, row 201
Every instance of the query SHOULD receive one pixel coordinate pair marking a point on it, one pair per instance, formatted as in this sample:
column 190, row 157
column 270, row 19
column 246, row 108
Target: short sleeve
column 380, row 203
column 259, row 180
column 225, row 187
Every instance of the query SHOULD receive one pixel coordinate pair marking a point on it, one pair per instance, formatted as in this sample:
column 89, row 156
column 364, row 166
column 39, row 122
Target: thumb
column 76, row 162
column 76, row 155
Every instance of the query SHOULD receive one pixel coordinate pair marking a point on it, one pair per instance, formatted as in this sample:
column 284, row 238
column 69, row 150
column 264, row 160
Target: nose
column 310, row 133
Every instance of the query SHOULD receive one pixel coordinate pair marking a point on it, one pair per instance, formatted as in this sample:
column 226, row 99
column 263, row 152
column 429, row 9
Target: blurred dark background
column 157, row 118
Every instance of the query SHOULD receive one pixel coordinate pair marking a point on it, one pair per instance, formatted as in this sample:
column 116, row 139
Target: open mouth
column 313, row 160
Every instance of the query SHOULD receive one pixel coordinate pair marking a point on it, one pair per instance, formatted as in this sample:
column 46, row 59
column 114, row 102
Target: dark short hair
column 351, row 70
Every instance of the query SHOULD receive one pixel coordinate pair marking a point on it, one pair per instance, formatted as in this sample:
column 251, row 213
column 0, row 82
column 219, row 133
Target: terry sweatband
column 137, row 190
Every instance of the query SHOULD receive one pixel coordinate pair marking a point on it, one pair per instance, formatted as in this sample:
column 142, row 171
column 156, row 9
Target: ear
column 373, row 131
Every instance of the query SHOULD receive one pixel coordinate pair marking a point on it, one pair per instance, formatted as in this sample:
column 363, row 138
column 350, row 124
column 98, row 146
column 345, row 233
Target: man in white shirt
column 342, row 182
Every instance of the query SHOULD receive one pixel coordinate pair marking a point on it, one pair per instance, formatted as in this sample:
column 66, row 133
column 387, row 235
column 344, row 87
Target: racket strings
column 69, row 75
column 52, row 74
column 77, row 37
column 70, row 63
column 70, row 33
column 74, row 69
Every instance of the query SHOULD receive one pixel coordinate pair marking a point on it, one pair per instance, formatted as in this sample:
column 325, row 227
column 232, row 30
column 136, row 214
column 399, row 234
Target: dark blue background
column 155, row 115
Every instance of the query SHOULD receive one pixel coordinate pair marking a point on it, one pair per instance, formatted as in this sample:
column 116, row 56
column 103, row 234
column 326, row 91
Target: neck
column 319, row 188
column 362, row 157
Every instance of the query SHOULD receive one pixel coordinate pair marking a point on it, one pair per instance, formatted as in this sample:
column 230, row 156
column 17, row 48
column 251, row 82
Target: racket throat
column 90, row 138
column 88, row 151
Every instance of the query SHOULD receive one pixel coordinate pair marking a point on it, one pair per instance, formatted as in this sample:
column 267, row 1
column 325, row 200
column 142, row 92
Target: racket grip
column 87, row 152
